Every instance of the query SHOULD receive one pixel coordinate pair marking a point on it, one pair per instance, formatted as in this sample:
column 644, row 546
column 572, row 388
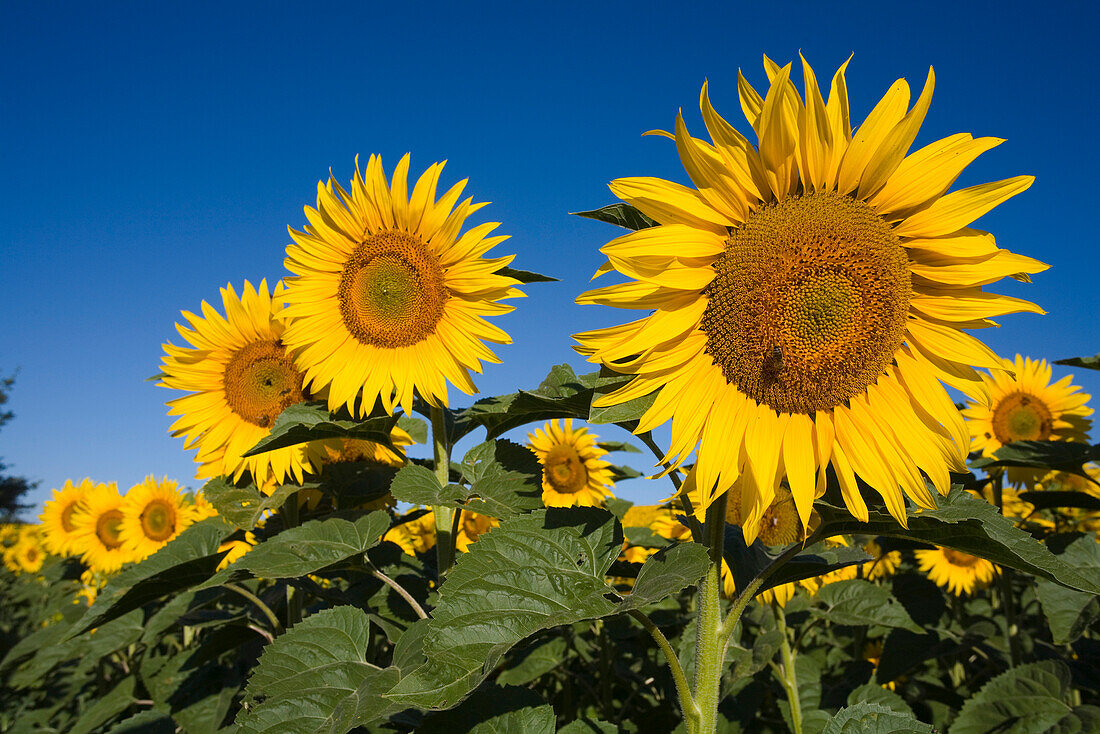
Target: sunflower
column 200, row 508
column 1027, row 407
column 778, row 595
column 387, row 298
column 883, row 564
column 808, row 298
column 780, row 523
column 153, row 513
column 337, row 450
column 241, row 378
column 471, row 527
column 57, row 517
column 414, row 536
column 29, row 554
column 98, row 529
column 961, row 573
column 234, row 549
column 572, row 471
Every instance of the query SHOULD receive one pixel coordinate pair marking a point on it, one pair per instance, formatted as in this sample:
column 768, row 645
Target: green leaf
column 666, row 572
column 107, row 707
column 416, row 428
column 304, row 422
column 494, row 711
column 189, row 559
column 876, row 694
column 561, row 395
column 588, row 726
column 526, row 276
column 418, row 485
column 1070, row 612
column 971, row 525
column 534, row 572
column 749, row 562
column 624, row 414
column 84, row 650
column 857, row 602
column 1067, row 456
column 244, row 505
column 1029, row 699
column 147, row 722
column 619, row 214
column 613, row 446
column 873, row 718
column 1092, row 363
column 316, row 678
column 307, row 548
column 505, row 479
column 534, row 662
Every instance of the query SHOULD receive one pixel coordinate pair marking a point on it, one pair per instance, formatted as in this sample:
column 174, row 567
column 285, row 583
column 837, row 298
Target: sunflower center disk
column 960, row 559
column 808, row 303
column 391, row 291
column 564, row 470
column 107, row 528
column 261, row 381
column 1022, row 417
column 158, row 520
column 67, row 517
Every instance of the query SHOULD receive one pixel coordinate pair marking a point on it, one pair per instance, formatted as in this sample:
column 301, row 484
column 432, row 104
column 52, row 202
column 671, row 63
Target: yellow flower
column 57, row 517
column 27, row 555
column 414, row 536
column 471, row 527
column 153, row 513
column 961, row 573
column 201, row 508
column 98, row 529
column 808, row 298
column 780, row 524
column 883, row 565
column 240, row 377
column 572, row 471
column 387, row 298
column 236, row 549
column 872, row 653
column 778, row 595
column 1027, row 407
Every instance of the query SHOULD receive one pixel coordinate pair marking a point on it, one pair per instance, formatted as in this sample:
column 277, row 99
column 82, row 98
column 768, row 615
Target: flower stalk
column 444, row 516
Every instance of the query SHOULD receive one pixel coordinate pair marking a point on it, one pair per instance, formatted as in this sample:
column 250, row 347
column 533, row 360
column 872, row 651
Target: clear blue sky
column 152, row 152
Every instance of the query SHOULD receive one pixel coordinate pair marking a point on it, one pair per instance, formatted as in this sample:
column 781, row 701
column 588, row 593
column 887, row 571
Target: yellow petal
column 885, row 160
column 870, row 135
column 959, row 208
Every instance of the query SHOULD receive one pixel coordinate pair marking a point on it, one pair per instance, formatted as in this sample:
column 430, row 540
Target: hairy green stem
column 444, row 516
column 710, row 650
column 789, row 678
column 271, row 616
column 401, row 591
column 683, row 690
column 1004, row 585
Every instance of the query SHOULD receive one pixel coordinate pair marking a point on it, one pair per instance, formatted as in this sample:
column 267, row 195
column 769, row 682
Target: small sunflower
column 883, row 565
column 57, row 517
column 780, row 524
column 1027, row 407
column 573, row 473
column 414, row 536
column 808, row 297
column 29, row 554
column 960, row 573
column 387, row 298
column 240, row 377
column 98, row 528
column 153, row 513
column 200, row 508
column 471, row 527
column 234, row 549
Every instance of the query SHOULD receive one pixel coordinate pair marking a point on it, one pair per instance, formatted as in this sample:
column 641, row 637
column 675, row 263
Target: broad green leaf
column 494, row 711
column 1064, row 456
column 625, row 414
column 316, row 678
column 107, row 707
column 666, row 572
column 408, row 653
column 416, row 428
column 857, row 602
column 189, row 559
column 526, row 276
column 874, row 693
column 418, row 485
column 620, row 214
column 147, row 722
column 304, row 422
column 534, row 662
column 505, row 479
column 1029, row 699
column 84, row 650
column 588, row 726
column 971, row 525
column 561, row 395
column 749, row 562
column 307, row 548
column 244, row 505
column 873, row 718
column 534, row 572
column 1042, row 499
column 49, row 636
column 1070, row 612
column 1092, row 363
column 613, row 446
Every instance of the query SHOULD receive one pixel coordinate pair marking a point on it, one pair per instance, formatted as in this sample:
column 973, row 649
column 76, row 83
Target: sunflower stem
column 683, row 690
column 1004, row 584
column 293, row 596
column 444, row 516
column 789, row 678
column 710, row 650
column 276, row 625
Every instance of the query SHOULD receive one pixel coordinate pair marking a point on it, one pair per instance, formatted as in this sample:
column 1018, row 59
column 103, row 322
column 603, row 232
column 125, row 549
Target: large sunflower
column 1027, row 407
column 153, row 513
column 58, row 535
column 98, row 527
column 961, row 573
column 808, row 297
column 240, row 377
column 573, row 472
column 387, row 297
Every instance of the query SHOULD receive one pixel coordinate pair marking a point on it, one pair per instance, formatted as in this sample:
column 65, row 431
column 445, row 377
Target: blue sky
column 151, row 153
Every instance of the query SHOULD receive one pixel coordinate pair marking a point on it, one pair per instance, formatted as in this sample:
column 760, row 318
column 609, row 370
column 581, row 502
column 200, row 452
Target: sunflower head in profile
column 808, row 297
column 57, row 517
column 339, row 450
column 240, row 377
column 958, row 572
column 573, row 472
column 388, row 298
column 153, row 513
column 1027, row 407
column 98, row 528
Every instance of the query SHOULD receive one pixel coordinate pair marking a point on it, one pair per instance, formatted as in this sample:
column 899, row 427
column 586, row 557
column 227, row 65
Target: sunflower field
column 873, row 522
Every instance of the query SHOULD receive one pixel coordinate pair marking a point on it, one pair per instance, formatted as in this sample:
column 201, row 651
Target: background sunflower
column 572, row 471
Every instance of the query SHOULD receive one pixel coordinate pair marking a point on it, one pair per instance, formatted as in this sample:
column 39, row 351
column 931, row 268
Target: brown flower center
column 564, row 470
column 808, row 303
column 261, row 381
column 67, row 516
column 107, row 527
column 158, row 520
column 960, row 559
column 1021, row 416
column 391, row 291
